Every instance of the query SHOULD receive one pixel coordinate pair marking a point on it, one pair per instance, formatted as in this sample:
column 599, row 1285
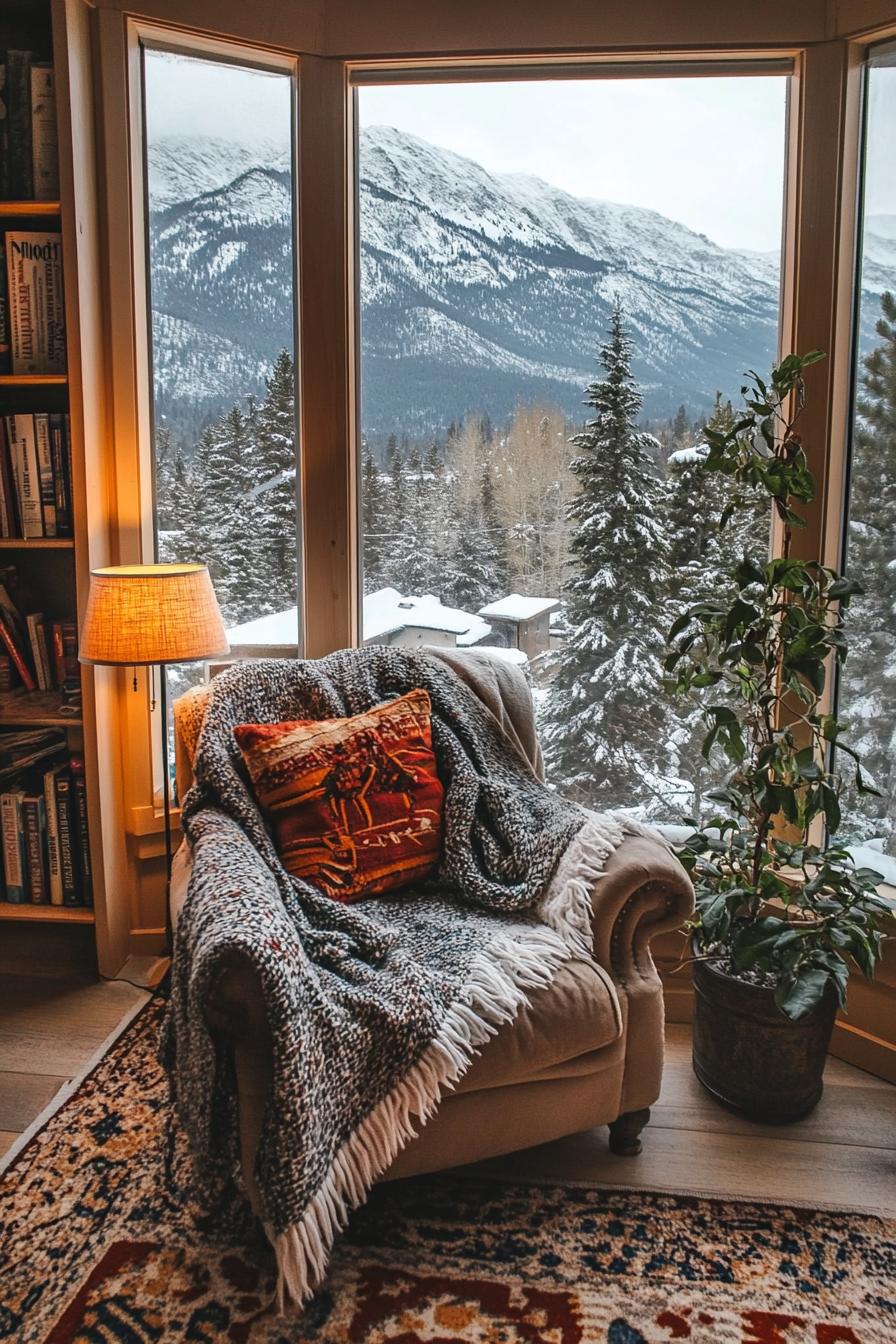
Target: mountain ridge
column 478, row 289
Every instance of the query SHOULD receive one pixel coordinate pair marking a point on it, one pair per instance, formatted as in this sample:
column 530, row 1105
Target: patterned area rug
column 95, row 1251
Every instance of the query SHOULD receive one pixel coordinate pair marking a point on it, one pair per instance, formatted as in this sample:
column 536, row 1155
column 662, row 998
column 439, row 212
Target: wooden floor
column 50, row 1027
column 842, row 1154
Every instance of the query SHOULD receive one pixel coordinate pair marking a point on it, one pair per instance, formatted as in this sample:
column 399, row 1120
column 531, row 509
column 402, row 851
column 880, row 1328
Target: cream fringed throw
column 377, row 1008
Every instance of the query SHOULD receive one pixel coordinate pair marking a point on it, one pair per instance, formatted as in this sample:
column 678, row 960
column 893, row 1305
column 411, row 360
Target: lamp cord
column 166, row 796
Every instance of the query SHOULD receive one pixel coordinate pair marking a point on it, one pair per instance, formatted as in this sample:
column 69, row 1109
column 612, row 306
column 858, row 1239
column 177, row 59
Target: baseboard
column 864, row 1050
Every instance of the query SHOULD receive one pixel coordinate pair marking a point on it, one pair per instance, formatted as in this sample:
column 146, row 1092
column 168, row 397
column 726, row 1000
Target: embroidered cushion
column 355, row 804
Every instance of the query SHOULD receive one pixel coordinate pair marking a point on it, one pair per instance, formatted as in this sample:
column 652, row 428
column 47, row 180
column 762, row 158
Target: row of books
column 35, row 476
column 32, row 307
column 36, row 652
column 43, row 821
column 29, row 144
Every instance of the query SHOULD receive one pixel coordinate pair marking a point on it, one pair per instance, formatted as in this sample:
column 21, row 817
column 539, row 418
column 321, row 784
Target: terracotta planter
column 749, row 1055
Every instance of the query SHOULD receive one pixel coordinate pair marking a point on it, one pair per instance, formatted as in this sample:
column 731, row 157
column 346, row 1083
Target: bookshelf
column 45, row 573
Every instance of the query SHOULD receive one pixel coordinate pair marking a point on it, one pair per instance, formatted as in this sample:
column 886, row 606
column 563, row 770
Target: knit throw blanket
column 375, row 1009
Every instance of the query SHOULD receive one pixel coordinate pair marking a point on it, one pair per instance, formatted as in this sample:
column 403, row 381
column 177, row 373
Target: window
column 868, row 679
column 220, row 205
column 558, row 294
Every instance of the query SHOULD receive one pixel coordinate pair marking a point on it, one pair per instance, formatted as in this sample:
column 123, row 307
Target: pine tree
column 411, row 562
column 170, row 481
column 605, row 717
column 273, row 430
column 374, row 521
column 494, row 536
column 225, row 528
column 868, row 689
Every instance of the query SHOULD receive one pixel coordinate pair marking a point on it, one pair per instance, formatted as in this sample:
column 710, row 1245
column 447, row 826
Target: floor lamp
column 152, row 615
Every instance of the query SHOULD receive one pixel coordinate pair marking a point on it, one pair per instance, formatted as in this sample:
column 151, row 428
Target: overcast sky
column 707, row 152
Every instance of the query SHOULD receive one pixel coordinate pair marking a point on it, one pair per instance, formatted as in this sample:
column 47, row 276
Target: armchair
column 587, row 1050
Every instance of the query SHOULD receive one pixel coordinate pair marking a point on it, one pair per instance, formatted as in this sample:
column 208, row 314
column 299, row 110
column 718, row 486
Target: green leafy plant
column 776, row 901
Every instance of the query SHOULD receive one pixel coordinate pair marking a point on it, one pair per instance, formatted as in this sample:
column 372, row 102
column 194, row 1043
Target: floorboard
column 842, row 1154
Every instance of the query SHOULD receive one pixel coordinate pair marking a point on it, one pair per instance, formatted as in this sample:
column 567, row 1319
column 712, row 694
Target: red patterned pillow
column 355, row 804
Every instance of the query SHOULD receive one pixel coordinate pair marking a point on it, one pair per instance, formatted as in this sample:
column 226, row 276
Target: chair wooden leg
column 624, row 1133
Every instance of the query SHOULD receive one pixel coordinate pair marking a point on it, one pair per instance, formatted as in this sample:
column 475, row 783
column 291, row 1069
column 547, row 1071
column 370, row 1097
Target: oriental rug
column 94, row 1249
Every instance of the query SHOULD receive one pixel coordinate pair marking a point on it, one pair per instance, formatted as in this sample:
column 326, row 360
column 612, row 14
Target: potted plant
column 782, row 911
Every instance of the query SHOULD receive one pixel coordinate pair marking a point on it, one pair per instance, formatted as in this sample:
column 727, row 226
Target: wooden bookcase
column 49, row 571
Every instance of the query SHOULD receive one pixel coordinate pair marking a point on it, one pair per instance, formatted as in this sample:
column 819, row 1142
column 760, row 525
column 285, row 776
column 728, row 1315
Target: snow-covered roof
column 280, row 627
column 387, row 611
column 515, row 607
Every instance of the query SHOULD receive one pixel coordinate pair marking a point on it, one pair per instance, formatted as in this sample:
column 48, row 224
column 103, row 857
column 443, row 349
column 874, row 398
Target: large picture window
column 220, row 206
column 562, row 283
column 868, row 680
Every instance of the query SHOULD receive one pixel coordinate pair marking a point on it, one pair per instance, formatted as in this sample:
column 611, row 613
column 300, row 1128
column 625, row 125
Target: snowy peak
column 479, row 288
column 182, row 167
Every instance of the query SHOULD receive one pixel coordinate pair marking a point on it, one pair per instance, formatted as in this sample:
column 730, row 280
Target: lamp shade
column 140, row 614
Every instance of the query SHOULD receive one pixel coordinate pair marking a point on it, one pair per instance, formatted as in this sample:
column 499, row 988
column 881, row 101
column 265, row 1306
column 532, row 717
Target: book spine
column 58, row 653
column 32, row 621
column 68, row 854
column 44, row 138
column 18, row 86
column 6, row 522
column 28, row 477
column 62, row 475
column 4, row 135
column 80, row 791
column 13, row 846
column 5, row 352
column 35, row 821
column 45, row 470
column 10, row 466
column 17, row 655
column 54, row 863
column 36, row 312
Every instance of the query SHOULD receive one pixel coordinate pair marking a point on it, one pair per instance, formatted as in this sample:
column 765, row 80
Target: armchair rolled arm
column 644, row 892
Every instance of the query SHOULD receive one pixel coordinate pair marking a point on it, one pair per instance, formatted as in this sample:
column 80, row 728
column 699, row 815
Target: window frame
column 361, row 74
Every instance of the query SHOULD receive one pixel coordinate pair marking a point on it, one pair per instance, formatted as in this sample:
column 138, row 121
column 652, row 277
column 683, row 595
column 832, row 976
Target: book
column 4, row 135
column 40, row 654
column 45, row 473
column 62, row 474
column 13, row 837
column 17, row 654
column 66, row 820
column 36, row 312
column 79, row 787
column 66, row 667
column 5, row 351
column 14, row 637
column 44, row 138
column 21, row 750
column 26, row 474
column 20, row 181
column 34, row 819
column 9, row 513
column 54, row 860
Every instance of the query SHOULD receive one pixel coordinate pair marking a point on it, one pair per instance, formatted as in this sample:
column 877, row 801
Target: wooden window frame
column 329, row 41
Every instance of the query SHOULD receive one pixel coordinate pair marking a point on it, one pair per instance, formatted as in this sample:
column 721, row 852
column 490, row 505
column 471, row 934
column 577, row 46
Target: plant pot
column 749, row 1055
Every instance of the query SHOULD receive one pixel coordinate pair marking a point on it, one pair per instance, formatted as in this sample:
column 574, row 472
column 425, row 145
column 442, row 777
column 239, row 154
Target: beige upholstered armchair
column 588, row 1050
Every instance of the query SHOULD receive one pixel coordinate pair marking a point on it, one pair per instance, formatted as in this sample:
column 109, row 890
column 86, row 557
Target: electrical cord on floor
column 151, row 991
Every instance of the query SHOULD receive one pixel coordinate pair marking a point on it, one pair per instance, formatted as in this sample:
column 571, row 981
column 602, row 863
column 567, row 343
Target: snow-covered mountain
column 478, row 289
